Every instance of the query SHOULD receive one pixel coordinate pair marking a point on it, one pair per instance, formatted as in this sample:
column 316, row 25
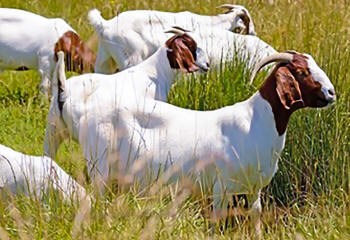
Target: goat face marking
column 296, row 84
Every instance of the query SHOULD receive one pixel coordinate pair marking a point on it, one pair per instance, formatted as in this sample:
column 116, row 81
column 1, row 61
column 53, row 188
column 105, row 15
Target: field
column 307, row 199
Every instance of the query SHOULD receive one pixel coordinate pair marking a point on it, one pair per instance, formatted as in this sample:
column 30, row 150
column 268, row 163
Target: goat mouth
column 203, row 69
column 322, row 102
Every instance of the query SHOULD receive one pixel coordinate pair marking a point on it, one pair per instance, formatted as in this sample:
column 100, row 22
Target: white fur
column 320, row 76
column 236, row 137
column 34, row 175
column 27, row 39
column 132, row 36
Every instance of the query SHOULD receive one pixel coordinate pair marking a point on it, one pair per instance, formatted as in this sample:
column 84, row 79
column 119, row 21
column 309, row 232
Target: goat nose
column 208, row 65
column 331, row 92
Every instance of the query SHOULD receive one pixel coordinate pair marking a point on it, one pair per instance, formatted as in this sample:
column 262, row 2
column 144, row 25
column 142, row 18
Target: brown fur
column 79, row 58
column 290, row 87
column 182, row 53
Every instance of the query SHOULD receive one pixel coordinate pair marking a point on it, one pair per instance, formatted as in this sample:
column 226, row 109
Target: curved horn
column 181, row 29
column 291, row 51
column 176, row 31
column 227, row 6
column 278, row 57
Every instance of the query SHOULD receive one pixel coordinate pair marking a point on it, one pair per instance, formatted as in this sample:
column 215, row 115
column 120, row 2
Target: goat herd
column 122, row 120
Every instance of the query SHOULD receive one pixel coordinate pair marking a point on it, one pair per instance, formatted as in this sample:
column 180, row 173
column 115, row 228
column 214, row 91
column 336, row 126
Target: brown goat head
column 296, row 84
column 182, row 53
column 79, row 58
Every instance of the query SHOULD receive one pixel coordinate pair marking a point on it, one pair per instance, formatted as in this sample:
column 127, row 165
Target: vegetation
column 307, row 199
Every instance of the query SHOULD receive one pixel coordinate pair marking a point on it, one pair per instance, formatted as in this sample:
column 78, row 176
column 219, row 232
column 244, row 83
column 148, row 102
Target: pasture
column 307, row 199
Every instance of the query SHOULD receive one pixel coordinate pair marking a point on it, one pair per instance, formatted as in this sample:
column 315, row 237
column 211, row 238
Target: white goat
column 34, row 176
column 133, row 36
column 236, row 147
column 149, row 79
column 30, row 41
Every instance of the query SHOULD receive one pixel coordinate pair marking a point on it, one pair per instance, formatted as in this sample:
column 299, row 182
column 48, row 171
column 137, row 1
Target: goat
column 133, row 36
column 149, row 79
column 34, row 176
column 236, row 147
column 30, row 41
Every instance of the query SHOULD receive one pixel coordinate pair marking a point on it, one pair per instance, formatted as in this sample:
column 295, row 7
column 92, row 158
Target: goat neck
column 159, row 72
column 269, row 93
column 221, row 21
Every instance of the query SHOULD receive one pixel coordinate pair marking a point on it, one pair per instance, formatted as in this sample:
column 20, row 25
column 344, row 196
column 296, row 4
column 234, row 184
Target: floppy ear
column 180, row 56
column 288, row 89
column 65, row 44
column 246, row 20
column 83, row 57
column 71, row 44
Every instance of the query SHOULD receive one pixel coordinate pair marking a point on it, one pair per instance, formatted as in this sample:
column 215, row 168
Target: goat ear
column 180, row 56
column 71, row 44
column 65, row 44
column 288, row 89
column 246, row 20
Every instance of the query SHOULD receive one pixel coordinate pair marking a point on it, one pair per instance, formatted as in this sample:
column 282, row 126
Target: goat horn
column 176, row 31
column 180, row 28
column 284, row 57
column 227, row 6
column 291, row 51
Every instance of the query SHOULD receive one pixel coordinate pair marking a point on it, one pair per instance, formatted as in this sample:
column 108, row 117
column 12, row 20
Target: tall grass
column 307, row 199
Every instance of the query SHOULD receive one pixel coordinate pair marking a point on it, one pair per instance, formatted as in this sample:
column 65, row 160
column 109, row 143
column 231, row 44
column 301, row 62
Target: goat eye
column 302, row 73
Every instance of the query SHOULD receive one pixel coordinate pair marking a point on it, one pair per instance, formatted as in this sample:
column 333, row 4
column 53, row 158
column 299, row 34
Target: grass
column 307, row 199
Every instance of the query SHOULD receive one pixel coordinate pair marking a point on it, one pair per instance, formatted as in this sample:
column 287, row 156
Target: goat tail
column 96, row 20
column 59, row 79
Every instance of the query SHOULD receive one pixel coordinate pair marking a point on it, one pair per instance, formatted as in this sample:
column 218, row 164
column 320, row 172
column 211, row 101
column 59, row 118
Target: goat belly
column 174, row 164
column 241, row 179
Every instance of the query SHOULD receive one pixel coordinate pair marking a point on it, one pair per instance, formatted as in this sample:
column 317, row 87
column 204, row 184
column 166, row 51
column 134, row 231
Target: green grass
column 307, row 199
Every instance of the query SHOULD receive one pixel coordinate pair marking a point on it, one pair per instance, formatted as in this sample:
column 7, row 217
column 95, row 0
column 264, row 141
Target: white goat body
column 245, row 133
column 35, row 175
column 245, row 148
column 241, row 141
column 27, row 41
column 132, row 36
